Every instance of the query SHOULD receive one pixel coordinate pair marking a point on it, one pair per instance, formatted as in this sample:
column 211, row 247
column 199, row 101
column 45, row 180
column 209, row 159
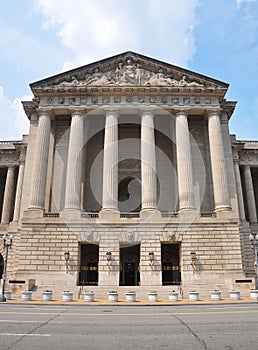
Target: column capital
column 112, row 112
column 45, row 112
column 246, row 166
column 211, row 112
column 148, row 112
column 78, row 113
column 183, row 111
column 224, row 118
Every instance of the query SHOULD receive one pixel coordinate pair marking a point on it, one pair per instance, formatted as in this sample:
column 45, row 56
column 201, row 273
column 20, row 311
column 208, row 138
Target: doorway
column 170, row 258
column 129, row 265
column 88, row 273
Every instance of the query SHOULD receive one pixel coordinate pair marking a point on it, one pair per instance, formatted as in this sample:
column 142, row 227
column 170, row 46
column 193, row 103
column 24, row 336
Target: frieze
column 134, row 99
column 9, row 160
column 128, row 74
column 248, row 159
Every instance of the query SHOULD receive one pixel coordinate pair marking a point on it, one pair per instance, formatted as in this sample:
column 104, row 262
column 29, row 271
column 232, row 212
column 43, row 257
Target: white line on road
column 26, row 334
column 16, row 321
column 230, row 308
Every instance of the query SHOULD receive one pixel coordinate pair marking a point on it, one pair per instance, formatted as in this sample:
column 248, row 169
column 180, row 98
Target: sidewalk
column 139, row 302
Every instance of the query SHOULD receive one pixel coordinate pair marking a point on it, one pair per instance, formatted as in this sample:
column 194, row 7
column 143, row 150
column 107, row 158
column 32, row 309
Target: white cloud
column 239, row 2
column 97, row 29
column 13, row 121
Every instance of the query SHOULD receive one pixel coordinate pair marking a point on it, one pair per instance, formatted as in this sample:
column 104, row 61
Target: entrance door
column 171, row 274
column 129, row 265
column 88, row 274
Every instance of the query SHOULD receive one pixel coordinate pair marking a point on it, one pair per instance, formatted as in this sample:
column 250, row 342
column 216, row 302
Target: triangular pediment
column 129, row 69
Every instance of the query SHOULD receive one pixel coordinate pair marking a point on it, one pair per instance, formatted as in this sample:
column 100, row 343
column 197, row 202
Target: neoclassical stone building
column 129, row 166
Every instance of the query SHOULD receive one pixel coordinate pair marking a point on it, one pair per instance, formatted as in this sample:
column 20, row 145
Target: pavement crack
column 31, row 332
column 201, row 341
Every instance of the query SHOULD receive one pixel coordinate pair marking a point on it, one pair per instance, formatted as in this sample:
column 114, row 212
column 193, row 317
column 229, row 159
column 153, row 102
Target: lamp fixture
column 67, row 258
column 254, row 244
column 7, row 244
column 151, row 258
column 193, row 258
column 109, row 257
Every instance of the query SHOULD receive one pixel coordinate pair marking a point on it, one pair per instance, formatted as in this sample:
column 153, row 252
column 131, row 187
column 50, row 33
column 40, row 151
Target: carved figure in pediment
column 184, row 82
column 138, row 74
column 95, row 77
column 129, row 74
column 159, row 79
column 74, row 82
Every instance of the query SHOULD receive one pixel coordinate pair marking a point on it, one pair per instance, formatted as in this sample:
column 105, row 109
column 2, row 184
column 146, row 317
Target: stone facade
column 129, row 166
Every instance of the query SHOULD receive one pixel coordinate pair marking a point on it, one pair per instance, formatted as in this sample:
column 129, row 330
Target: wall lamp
column 254, row 244
column 108, row 255
column 7, row 244
column 193, row 258
column 151, row 258
column 67, row 258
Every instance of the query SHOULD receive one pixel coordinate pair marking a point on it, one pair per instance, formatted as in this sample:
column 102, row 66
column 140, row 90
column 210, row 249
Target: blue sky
column 40, row 38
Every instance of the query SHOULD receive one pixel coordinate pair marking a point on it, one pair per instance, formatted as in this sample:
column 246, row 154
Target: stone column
column 110, row 168
column 74, row 164
column 249, row 189
column 17, row 204
column 148, row 163
column 8, row 195
column 184, row 163
column 40, row 163
column 239, row 191
column 218, row 164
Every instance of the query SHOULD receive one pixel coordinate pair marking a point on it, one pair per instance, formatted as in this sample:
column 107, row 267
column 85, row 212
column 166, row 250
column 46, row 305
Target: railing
column 167, row 214
column 208, row 215
column 89, row 215
column 131, row 215
column 51, row 215
column 8, row 142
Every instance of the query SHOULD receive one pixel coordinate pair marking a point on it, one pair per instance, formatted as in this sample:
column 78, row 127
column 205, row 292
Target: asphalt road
column 54, row 327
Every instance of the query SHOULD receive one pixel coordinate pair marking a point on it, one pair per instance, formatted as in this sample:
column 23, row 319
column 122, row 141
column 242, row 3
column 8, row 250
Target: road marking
column 132, row 314
column 26, row 334
column 230, row 308
column 17, row 321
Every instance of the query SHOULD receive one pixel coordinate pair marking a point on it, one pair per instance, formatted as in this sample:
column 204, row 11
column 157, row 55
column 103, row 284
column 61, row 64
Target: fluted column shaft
column 148, row 162
column 110, row 162
column 17, row 205
column 218, row 165
column 74, row 163
column 8, row 195
column 39, row 172
column 184, row 163
column 239, row 192
column 250, row 194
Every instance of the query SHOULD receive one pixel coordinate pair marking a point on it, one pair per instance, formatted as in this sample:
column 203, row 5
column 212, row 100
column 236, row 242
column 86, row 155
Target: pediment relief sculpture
column 130, row 74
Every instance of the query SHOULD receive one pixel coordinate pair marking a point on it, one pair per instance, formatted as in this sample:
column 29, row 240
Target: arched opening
column 129, row 194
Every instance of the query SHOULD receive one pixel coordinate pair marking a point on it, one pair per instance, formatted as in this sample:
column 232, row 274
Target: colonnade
column 249, row 189
column 148, row 162
column 10, row 187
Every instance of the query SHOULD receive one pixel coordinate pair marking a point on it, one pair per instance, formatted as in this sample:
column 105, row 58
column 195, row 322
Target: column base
column 150, row 214
column 109, row 214
column 71, row 214
column 222, row 208
column 188, row 215
column 33, row 213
